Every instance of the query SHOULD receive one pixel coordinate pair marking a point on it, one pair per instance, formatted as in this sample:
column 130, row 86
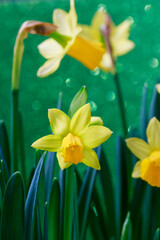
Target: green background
column 139, row 67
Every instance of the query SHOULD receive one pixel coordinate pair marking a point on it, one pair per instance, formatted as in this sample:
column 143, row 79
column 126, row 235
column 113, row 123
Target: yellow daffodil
column 117, row 43
column 158, row 87
column 148, row 167
column 73, row 139
column 66, row 40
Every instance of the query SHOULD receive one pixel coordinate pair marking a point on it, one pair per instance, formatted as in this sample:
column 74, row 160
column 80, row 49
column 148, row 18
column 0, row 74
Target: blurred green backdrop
column 37, row 95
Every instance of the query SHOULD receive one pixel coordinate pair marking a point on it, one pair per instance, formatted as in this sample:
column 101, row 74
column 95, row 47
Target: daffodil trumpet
column 148, row 153
column 73, row 139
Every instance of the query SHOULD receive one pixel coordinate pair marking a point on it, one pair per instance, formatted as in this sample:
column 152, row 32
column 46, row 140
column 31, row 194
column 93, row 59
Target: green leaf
column 76, row 221
column 85, row 196
column 53, row 213
column 31, row 199
column 78, row 101
column 68, row 203
column 122, row 200
column 144, row 113
column 13, row 209
column 4, row 143
column 154, row 110
column 127, row 229
column 157, row 234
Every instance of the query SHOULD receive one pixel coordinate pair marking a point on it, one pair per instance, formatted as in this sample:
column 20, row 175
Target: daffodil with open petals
column 67, row 41
column 73, row 139
column 115, row 38
column 148, row 167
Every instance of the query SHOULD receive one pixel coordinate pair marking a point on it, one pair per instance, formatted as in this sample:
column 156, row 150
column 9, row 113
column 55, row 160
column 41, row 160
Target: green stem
column 121, row 103
column 68, row 203
column 14, row 130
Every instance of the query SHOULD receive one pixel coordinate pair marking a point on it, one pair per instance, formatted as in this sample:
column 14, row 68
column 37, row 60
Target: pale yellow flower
column 73, row 139
column 118, row 37
column 68, row 41
column 148, row 167
column 158, row 87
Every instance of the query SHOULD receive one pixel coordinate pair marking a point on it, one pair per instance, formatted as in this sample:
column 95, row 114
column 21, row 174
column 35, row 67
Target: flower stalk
column 106, row 34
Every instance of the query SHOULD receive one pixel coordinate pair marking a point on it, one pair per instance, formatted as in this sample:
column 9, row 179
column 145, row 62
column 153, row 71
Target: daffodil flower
column 158, row 87
column 148, row 167
column 68, row 41
column 73, row 139
column 117, row 43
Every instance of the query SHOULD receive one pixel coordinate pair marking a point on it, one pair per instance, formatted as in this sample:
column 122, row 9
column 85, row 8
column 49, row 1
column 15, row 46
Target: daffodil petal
column 72, row 16
column 50, row 48
column 158, row 87
column 153, row 133
column 150, row 172
column 81, row 119
column 91, row 159
column 86, row 52
column 59, row 122
column 98, row 20
column 87, row 33
column 95, row 135
column 61, row 162
column 51, row 143
column 136, row 171
column 138, row 147
column 49, row 67
column 121, row 47
column 61, row 20
column 122, row 30
column 106, row 63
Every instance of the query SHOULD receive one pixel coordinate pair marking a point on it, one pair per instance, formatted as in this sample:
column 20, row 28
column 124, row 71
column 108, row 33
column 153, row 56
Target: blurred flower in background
column 114, row 38
column 148, row 168
column 66, row 41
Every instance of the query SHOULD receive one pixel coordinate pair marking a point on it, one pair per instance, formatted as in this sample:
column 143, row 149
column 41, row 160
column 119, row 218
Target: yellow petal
column 72, row 16
column 51, row 143
column 49, row 67
column 96, row 121
column 136, row 171
column 158, row 87
column 86, row 52
column 150, row 172
column 122, row 30
column 138, row 147
column 61, row 162
column 87, row 33
column 95, row 135
column 153, row 133
column 50, row 49
column 81, row 120
column 98, row 20
column 106, row 63
column 59, row 121
column 91, row 159
column 121, row 47
column 61, row 20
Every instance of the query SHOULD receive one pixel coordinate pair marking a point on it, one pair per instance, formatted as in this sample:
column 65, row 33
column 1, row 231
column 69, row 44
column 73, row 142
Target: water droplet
column 68, row 82
column 93, row 106
column 131, row 19
column 104, row 75
column 36, row 105
column 95, row 72
column 101, row 7
column 110, row 96
column 154, row 63
column 147, row 7
column 129, row 129
column 120, row 67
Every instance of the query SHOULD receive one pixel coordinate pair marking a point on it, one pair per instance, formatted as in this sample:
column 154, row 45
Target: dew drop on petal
column 110, row 96
column 93, row 106
column 95, row 72
column 36, row 105
column 154, row 63
column 147, row 7
column 68, row 82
